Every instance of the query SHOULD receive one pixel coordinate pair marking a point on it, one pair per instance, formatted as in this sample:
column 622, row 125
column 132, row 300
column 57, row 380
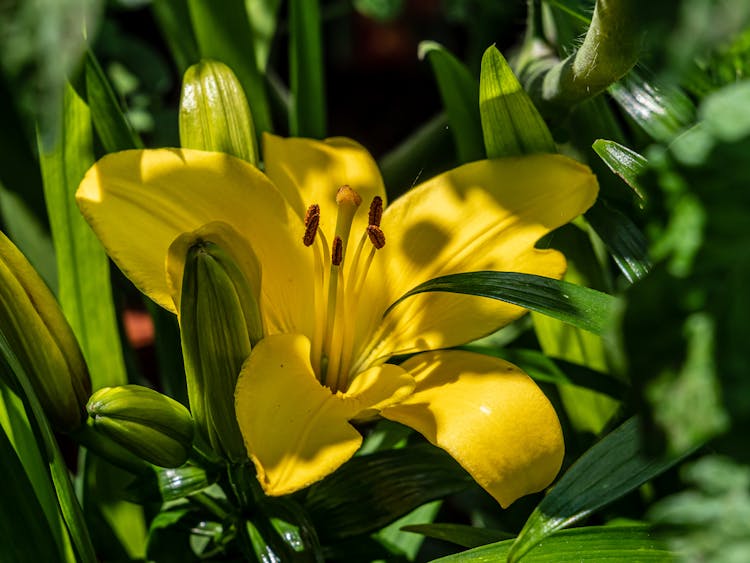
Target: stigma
column 337, row 294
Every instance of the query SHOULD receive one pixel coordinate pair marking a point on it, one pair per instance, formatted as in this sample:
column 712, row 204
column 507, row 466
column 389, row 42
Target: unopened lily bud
column 214, row 114
column 219, row 323
column 36, row 330
column 148, row 424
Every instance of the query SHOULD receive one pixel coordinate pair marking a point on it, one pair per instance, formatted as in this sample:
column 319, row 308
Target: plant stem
column 609, row 50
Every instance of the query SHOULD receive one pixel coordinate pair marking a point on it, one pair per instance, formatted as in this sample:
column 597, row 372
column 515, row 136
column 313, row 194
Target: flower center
column 337, row 293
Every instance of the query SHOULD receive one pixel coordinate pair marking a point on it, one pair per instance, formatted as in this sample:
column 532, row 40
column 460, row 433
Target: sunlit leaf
column 510, row 121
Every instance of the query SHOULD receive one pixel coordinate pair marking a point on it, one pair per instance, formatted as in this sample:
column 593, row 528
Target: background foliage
column 414, row 82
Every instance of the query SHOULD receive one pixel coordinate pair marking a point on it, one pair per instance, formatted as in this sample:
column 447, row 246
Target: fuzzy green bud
column 148, row 424
column 219, row 323
column 214, row 114
column 36, row 330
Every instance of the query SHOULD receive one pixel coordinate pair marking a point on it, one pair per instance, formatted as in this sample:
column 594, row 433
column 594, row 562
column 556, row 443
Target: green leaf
column 19, row 171
column 398, row 540
column 510, row 122
column 16, row 424
column 595, row 543
column 23, row 525
column 580, row 306
column 612, row 468
column 307, row 116
column 390, row 484
column 626, row 163
column 660, row 110
column 66, row 498
column 110, row 123
column 83, row 267
column 624, row 240
column 173, row 18
column 263, row 19
column 460, row 534
column 459, row 91
column 225, row 35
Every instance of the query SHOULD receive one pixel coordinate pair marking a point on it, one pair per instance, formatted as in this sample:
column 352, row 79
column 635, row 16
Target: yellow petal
column 308, row 172
column 489, row 415
column 487, row 215
column 138, row 202
column 295, row 430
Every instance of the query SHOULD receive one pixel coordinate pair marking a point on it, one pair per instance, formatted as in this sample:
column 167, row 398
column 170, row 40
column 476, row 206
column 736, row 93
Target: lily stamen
column 312, row 221
column 332, row 351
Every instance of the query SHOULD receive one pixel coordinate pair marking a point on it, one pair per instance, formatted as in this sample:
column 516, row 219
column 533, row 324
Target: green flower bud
column 214, row 114
column 219, row 322
column 36, row 330
column 148, row 424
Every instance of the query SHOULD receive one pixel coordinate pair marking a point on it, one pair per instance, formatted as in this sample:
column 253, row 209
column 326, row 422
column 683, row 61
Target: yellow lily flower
column 334, row 256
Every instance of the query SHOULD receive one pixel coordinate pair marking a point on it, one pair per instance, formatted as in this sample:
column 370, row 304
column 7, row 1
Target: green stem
column 102, row 446
column 609, row 50
column 210, row 504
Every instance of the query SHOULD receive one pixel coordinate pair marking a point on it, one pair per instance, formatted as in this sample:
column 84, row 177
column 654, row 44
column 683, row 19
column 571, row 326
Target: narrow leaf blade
column 598, row 543
column 580, row 306
column 626, row 163
column 83, row 267
column 459, row 91
column 612, row 468
column 225, row 35
column 110, row 123
column 307, row 116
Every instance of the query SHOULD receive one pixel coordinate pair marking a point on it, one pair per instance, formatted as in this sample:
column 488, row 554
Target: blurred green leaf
column 83, row 267
column 110, row 123
column 579, row 306
column 595, row 543
column 711, row 520
column 459, row 91
column 381, row 10
column 626, row 163
column 307, row 115
column 225, row 35
column 719, row 112
column 510, row 122
column 22, row 520
column 263, row 20
column 173, row 18
column 460, row 534
column 389, row 484
column 612, row 468
column 661, row 110
column 19, row 170
column 43, row 42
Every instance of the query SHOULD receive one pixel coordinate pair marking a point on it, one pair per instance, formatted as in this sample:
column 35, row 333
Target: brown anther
column 312, row 220
column 347, row 196
column 337, row 251
column 377, row 237
column 376, row 211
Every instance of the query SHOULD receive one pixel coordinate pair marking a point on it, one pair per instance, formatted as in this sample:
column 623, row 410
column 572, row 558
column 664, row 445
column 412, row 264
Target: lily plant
column 328, row 257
